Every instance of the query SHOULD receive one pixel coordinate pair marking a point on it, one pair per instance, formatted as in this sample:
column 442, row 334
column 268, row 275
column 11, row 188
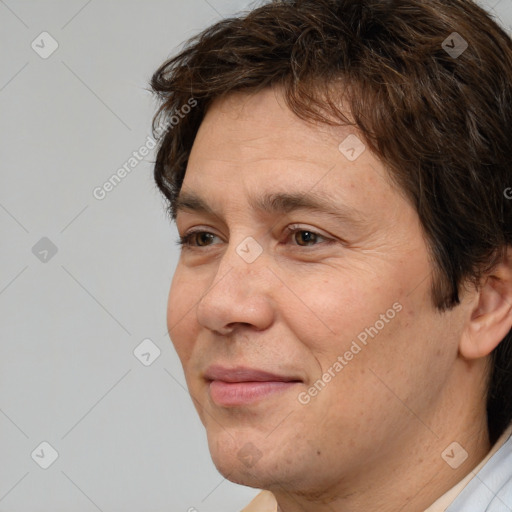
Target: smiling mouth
column 232, row 387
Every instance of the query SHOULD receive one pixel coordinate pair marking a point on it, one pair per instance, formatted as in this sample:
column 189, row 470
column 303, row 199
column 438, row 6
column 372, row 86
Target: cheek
column 329, row 311
column 371, row 324
column 181, row 314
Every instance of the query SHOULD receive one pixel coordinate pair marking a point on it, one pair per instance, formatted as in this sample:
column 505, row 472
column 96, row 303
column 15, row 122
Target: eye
column 308, row 236
column 190, row 238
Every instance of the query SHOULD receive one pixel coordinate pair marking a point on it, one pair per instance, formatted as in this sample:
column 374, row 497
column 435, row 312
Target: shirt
column 487, row 488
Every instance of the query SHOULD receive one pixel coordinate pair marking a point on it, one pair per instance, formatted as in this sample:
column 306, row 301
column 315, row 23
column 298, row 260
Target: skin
column 372, row 438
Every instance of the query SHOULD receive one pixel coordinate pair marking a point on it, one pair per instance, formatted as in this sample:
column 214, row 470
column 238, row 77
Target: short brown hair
column 440, row 121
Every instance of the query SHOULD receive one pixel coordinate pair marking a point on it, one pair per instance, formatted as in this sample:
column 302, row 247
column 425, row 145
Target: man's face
column 337, row 310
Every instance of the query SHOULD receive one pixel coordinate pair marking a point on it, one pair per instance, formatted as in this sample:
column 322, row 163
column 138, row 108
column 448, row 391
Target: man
column 342, row 305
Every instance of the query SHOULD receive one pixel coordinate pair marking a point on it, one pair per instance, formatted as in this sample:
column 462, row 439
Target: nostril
column 224, row 331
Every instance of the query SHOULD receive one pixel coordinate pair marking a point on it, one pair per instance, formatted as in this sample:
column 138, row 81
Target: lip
column 232, row 387
column 244, row 374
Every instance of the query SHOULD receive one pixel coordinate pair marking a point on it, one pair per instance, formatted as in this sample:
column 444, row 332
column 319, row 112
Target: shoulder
column 491, row 488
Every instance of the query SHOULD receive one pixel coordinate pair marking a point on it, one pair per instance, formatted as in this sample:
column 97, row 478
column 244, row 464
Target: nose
column 239, row 293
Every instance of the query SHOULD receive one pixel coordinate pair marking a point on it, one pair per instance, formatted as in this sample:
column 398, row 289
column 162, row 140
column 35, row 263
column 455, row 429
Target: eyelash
column 184, row 241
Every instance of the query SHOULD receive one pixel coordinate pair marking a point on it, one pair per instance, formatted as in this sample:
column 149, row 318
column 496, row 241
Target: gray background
column 127, row 435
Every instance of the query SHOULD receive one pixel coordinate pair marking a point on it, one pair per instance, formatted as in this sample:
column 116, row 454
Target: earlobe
column 491, row 317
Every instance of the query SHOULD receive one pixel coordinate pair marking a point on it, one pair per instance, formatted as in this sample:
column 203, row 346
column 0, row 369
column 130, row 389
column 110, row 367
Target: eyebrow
column 276, row 204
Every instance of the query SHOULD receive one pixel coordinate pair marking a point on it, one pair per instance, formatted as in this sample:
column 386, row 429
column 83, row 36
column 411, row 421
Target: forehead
column 251, row 144
column 260, row 125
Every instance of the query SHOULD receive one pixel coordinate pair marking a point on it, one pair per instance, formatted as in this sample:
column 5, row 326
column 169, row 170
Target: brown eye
column 196, row 239
column 203, row 238
column 308, row 237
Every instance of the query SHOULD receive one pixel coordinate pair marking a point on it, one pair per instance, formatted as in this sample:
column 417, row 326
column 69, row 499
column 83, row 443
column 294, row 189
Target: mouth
column 234, row 387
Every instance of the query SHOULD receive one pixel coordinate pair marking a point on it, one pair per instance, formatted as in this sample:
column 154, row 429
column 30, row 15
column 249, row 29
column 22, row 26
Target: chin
column 244, row 476
column 237, row 457
column 271, row 467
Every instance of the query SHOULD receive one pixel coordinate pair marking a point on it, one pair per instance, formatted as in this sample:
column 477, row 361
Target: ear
column 491, row 315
